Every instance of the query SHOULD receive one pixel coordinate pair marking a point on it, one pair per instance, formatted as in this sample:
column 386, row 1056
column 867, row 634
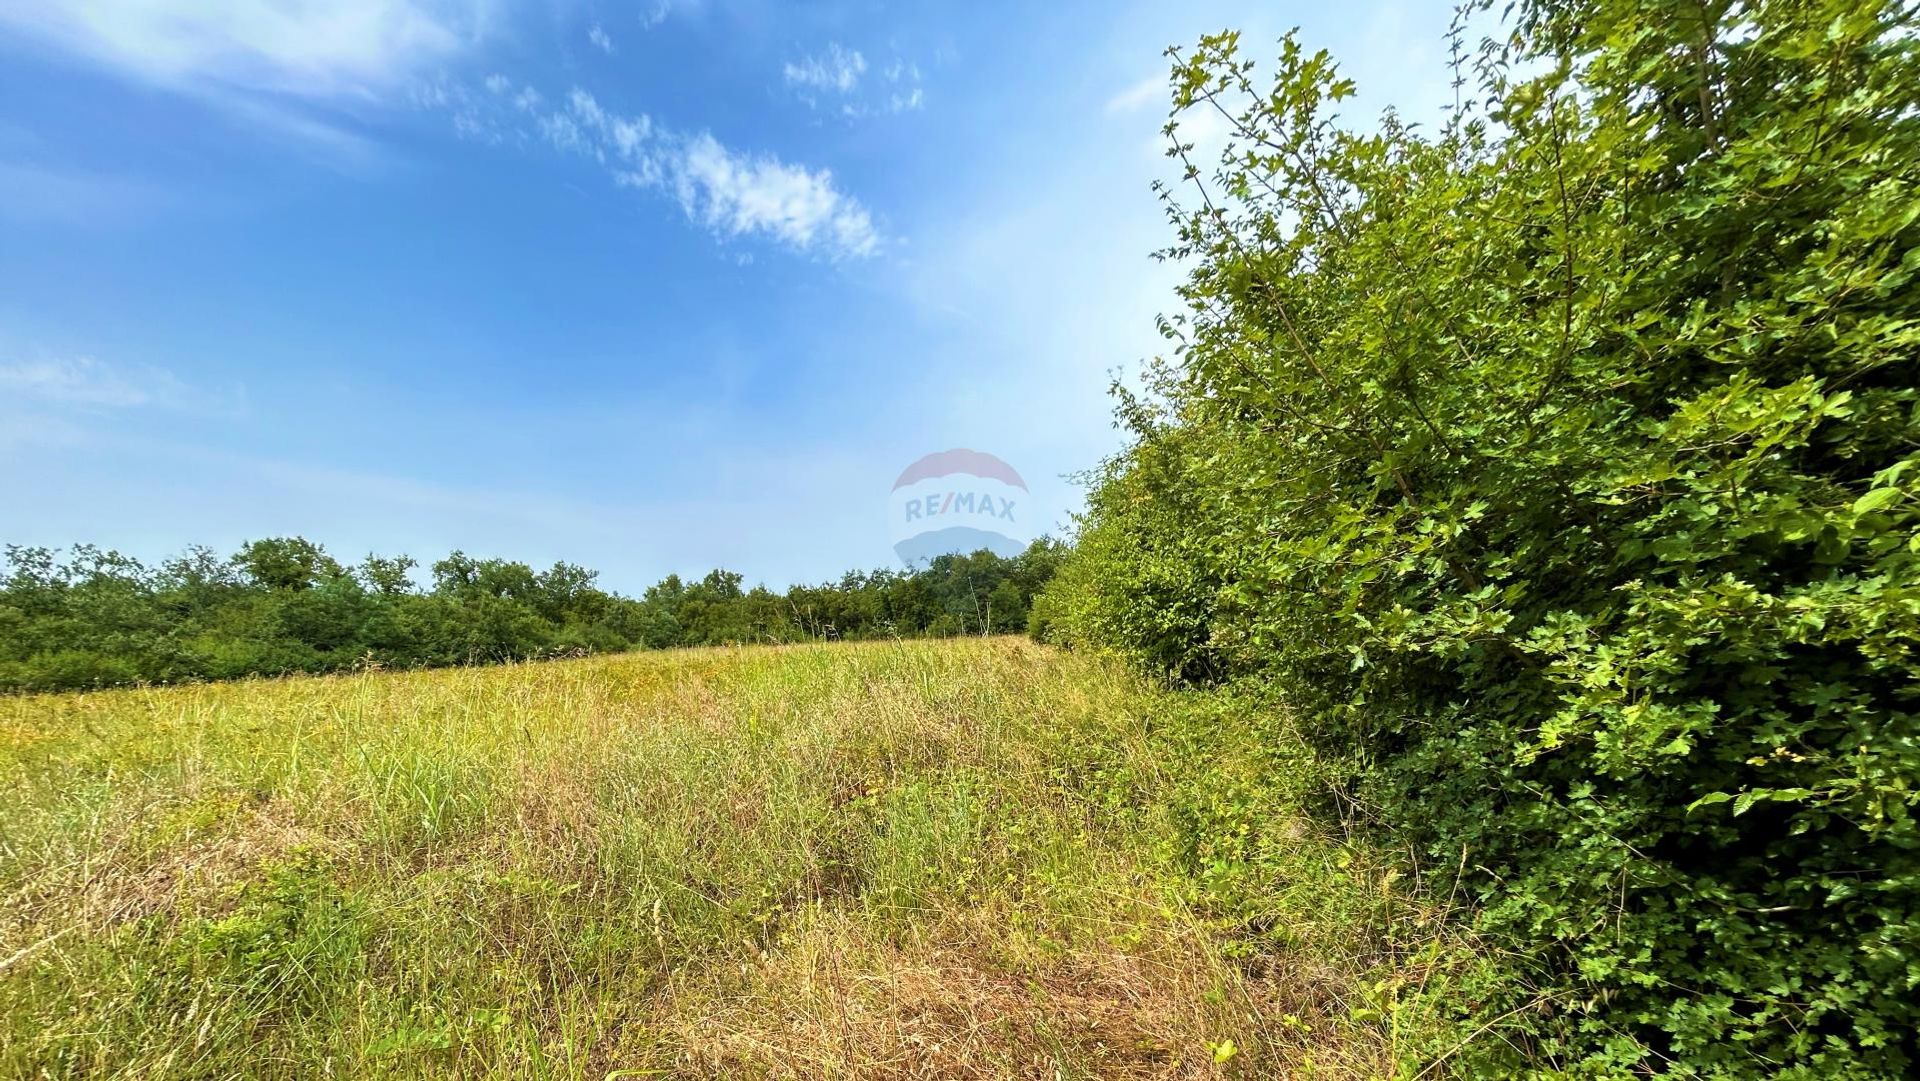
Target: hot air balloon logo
column 958, row 501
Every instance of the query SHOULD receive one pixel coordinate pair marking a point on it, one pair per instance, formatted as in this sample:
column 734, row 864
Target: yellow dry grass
column 882, row 860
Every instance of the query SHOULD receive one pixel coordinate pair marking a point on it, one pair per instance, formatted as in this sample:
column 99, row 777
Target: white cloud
column 838, row 69
column 838, row 74
column 597, row 131
column 470, row 111
column 311, row 48
column 656, row 14
column 739, row 195
column 732, row 193
column 598, row 36
column 281, row 68
column 563, row 132
column 905, row 96
column 88, row 383
column 525, row 99
column 589, row 109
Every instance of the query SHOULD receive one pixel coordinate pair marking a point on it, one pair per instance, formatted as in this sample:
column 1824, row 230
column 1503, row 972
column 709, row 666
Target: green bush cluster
column 98, row 618
column 1559, row 466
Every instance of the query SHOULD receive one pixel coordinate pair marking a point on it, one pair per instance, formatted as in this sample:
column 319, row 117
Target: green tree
column 388, row 576
column 283, row 605
column 286, row 563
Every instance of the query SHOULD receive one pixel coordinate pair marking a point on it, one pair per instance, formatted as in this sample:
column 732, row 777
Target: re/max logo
column 959, row 502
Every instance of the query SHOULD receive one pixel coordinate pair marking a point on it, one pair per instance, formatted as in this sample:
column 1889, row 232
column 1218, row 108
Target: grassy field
column 977, row 858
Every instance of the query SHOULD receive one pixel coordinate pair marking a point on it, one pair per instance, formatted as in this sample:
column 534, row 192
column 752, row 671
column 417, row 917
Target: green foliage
column 284, row 605
column 254, row 975
column 1561, row 465
column 293, row 942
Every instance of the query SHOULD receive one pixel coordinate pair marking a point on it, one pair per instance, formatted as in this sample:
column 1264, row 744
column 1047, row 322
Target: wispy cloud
column 656, row 14
column 838, row 69
column 903, row 79
column 277, row 68
column 626, row 136
column 313, row 49
column 31, row 192
column 734, row 194
column 90, row 384
column 1140, row 94
column 837, row 80
column 739, row 195
column 597, row 34
column 73, row 401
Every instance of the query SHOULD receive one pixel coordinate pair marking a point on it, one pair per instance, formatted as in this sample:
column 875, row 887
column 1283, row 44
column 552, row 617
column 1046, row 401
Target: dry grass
column 834, row 1000
column 875, row 861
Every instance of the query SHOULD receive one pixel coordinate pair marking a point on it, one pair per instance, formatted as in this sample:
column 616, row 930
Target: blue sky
column 652, row 286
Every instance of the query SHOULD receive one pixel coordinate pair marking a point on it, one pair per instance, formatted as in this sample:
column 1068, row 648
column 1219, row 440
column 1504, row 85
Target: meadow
column 963, row 858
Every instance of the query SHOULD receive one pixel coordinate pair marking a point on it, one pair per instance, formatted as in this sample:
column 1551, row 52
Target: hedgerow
column 1559, row 465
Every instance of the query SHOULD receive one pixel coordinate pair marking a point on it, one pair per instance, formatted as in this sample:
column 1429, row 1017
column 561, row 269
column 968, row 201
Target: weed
column 954, row 859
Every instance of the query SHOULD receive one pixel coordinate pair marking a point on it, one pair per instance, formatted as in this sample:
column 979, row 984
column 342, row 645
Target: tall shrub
column 1561, row 465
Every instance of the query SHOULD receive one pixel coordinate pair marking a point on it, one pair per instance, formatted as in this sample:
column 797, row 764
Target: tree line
column 88, row 617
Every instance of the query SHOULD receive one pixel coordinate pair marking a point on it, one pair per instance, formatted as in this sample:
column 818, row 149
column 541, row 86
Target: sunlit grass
column 892, row 859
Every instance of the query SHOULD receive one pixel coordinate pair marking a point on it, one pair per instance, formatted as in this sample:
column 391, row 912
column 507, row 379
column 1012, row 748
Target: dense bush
column 98, row 618
column 1560, row 466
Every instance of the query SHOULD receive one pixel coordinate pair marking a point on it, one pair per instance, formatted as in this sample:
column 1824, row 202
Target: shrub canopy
column 1560, row 464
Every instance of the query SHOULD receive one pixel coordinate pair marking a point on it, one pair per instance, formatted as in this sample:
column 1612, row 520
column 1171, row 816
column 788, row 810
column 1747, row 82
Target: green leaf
column 1876, row 499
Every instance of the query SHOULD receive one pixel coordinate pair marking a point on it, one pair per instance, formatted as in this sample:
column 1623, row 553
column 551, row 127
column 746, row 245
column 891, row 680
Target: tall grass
column 943, row 859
